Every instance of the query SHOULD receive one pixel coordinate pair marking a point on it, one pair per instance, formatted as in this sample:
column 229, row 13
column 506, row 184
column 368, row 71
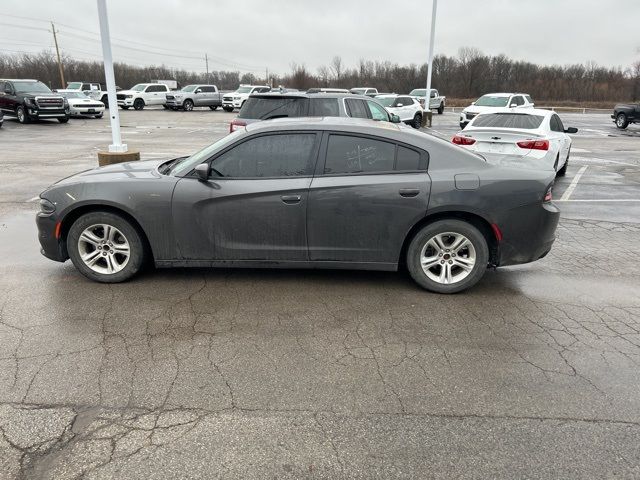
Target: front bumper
column 52, row 247
column 528, row 232
column 35, row 112
column 232, row 103
column 127, row 102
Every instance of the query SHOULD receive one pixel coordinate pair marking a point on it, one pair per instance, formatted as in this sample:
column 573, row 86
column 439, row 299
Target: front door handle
column 409, row 192
column 291, row 199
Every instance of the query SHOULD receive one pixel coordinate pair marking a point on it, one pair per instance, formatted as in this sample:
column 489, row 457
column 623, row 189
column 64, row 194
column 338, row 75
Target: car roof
column 18, row 80
column 307, row 95
column 324, row 123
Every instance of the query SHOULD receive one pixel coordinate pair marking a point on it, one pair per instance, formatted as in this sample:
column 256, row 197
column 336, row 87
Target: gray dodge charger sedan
column 308, row 193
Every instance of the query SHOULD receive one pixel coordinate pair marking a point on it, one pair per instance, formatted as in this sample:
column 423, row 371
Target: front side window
column 74, row 85
column 139, row 87
column 418, row 92
column 347, row 154
column 518, row 100
column 378, row 112
column 189, row 88
column 269, row 156
column 324, row 107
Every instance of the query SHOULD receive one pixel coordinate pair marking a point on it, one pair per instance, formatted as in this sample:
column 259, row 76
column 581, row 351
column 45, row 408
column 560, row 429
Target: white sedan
column 407, row 108
column 82, row 105
column 533, row 138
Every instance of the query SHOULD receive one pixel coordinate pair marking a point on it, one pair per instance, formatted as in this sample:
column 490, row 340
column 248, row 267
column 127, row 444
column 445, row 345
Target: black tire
column 621, row 121
column 441, row 109
column 563, row 171
column 228, row 109
column 124, row 107
column 99, row 115
column 136, row 244
column 64, row 120
column 417, row 121
column 213, row 107
column 187, row 105
column 166, row 107
column 105, row 100
column 22, row 115
column 459, row 227
column 138, row 104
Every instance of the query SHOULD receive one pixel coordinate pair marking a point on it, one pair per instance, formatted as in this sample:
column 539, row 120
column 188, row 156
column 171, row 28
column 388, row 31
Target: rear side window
column 556, row 124
column 268, row 156
column 508, row 120
column 518, row 100
column 263, row 108
column 529, row 99
column 356, row 108
column 324, row 107
column 347, row 154
column 407, row 159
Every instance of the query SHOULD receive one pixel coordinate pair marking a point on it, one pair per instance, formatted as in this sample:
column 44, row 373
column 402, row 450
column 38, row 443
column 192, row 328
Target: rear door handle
column 291, row 199
column 409, row 192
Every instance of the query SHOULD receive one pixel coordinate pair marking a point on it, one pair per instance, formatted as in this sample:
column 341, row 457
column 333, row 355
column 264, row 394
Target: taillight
column 548, row 196
column 460, row 140
column 236, row 124
column 534, row 144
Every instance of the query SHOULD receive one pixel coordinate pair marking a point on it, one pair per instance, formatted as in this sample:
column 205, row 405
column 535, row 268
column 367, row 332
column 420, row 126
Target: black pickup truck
column 31, row 100
column 626, row 113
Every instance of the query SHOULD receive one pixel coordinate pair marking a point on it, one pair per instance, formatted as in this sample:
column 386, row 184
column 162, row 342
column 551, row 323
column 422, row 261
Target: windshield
column 386, row 101
column 492, row 101
column 185, row 165
column 358, row 91
column 419, row 92
column 189, row 88
column 74, row 85
column 272, row 107
column 244, row 90
column 139, row 87
column 73, row 95
column 31, row 87
column 508, row 120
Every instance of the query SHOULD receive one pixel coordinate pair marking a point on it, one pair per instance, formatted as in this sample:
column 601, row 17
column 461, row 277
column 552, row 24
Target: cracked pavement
column 215, row 373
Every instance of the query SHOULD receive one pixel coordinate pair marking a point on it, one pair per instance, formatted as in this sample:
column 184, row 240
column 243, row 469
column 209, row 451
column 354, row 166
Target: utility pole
column 55, row 40
column 206, row 61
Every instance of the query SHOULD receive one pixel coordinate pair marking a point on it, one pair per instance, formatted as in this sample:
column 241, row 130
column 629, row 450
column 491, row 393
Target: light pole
column 427, row 100
column 117, row 146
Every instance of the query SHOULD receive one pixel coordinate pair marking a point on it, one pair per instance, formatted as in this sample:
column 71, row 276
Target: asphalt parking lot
column 534, row 373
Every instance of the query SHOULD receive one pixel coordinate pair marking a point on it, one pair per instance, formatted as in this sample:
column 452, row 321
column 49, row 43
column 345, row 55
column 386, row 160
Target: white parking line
column 574, row 183
column 580, row 150
column 601, row 200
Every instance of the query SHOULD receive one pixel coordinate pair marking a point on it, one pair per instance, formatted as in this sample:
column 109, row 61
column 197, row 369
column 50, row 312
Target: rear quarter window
column 324, row 107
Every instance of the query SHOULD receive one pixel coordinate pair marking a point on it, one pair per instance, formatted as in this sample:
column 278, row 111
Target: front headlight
column 128, row 96
column 236, row 98
column 46, row 206
column 29, row 101
column 66, row 103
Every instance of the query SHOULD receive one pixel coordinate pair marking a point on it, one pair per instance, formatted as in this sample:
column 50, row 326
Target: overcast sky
column 251, row 35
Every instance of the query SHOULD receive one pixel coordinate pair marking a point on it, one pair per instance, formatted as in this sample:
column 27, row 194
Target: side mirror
column 473, row 103
column 202, row 171
column 513, row 105
column 399, row 105
column 571, row 130
column 199, row 90
column 395, row 118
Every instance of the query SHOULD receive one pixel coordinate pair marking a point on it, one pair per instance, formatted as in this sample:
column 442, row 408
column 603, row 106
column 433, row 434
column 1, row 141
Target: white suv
column 141, row 95
column 495, row 102
column 236, row 99
column 407, row 108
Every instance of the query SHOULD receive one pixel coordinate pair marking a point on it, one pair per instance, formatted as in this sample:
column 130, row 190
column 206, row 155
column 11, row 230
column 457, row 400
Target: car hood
column 117, row 172
column 128, row 92
column 41, row 95
column 475, row 109
column 80, row 101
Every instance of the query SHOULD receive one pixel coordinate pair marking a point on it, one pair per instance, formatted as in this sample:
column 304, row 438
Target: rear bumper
column 528, row 232
column 52, row 247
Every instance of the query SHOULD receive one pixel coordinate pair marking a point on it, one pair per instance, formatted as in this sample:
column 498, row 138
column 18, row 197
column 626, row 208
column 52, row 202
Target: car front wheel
column 447, row 256
column 621, row 121
column 138, row 104
column 22, row 115
column 187, row 105
column 417, row 121
column 228, row 109
column 213, row 107
column 105, row 247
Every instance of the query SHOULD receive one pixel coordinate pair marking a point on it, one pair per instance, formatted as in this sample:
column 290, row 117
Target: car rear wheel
column 105, row 247
column 447, row 256
column 228, row 109
column 64, row 120
column 417, row 121
column 563, row 171
column 138, row 104
column 213, row 107
column 621, row 121
column 187, row 105
column 441, row 109
column 22, row 115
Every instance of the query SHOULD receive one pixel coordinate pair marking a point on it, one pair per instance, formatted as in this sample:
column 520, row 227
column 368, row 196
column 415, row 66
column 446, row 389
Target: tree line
column 467, row 75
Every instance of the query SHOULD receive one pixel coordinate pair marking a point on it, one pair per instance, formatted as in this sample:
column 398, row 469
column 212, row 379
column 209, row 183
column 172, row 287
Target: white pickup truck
column 93, row 90
column 142, row 95
column 236, row 99
column 436, row 101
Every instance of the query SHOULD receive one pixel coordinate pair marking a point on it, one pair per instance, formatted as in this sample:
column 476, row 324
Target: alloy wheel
column 104, row 249
column 448, row 258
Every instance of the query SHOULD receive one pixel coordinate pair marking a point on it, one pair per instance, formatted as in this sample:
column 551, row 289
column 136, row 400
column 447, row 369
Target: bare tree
column 336, row 67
